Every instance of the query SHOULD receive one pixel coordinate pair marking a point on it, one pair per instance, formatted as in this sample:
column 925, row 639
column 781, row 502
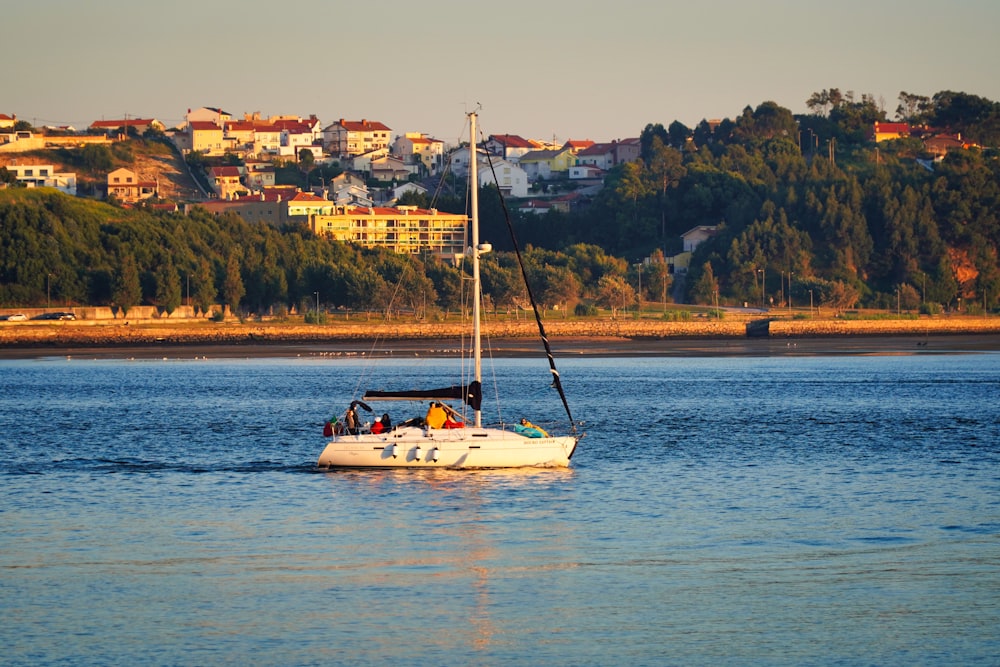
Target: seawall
column 101, row 333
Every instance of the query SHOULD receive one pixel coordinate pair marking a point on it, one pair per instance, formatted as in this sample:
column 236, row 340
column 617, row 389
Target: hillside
column 169, row 170
column 149, row 159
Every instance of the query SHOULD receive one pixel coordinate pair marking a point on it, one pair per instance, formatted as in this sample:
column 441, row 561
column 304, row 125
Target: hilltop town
column 228, row 164
column 231, row 164
column 840, row 207
column 241, row 154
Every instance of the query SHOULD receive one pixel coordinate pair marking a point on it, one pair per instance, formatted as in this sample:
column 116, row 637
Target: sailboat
column 462, row 445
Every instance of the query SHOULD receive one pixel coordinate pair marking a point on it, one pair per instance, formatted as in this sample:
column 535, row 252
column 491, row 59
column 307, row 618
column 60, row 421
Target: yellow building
column 206, row 137
column 406, row 229
column 125, row 185
column 226, row 182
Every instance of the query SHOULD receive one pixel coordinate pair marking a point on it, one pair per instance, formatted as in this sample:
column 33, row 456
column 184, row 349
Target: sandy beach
column 623, row 337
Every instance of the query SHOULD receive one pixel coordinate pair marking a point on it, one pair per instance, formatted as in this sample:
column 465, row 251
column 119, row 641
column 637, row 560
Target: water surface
column 818, row 510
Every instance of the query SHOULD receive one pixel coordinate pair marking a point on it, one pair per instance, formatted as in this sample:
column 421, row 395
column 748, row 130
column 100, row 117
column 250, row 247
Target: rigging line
column 556, row 381
column 379, row 338
column 493, row 374
column 441, row 181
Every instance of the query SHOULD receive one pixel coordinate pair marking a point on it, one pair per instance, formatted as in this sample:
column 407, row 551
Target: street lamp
column 48, row 291
column 763, row 278
column 810, row 303
column 639, row 268
column 317, row 305
column 790, row 274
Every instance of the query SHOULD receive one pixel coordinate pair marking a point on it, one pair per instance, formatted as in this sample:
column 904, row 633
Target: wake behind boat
column 443, row 438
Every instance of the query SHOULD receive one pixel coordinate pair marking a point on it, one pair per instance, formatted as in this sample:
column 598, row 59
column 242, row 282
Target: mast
column 477, row 352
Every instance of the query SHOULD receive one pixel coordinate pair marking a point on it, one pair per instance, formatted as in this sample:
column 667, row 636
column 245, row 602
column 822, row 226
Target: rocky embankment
column 81, row 333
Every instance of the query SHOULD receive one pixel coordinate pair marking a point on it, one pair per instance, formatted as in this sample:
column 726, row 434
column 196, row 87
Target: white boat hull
column 413, row 447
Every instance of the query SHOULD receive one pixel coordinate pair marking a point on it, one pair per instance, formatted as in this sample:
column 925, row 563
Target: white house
column 458, row 161
column 208, row 115
column 401, row 190
column 347, row 138
column 695, row 236
column 585, row 172
column 606, row 156
column 391, row 168
column 509, row 146
column 510, row 178
column 44, row 176
column 363, row 163
column 349, row 189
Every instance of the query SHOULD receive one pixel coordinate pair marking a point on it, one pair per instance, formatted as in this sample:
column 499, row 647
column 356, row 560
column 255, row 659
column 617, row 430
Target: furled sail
column 471, row 395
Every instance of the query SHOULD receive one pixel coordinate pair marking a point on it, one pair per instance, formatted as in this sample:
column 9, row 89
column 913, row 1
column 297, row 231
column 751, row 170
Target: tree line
column 80, row 252
column 805, row 207
column 809, row 206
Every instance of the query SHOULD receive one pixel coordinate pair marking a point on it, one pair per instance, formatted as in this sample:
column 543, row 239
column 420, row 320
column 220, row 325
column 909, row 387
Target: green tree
column 8, row 178
column 232, row 287
column 168, row 286
column 96, row 158
column 127, row 290
column 706, row 286
column 205, row 293
column 912, row 108
column 656, row 276
column 615, row 293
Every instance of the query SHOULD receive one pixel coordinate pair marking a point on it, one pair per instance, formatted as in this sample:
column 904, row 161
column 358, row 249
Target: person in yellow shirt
column 526, row 424
column 436, row 416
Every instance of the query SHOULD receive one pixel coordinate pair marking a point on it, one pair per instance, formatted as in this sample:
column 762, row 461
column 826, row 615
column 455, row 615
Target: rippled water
column 719, row 511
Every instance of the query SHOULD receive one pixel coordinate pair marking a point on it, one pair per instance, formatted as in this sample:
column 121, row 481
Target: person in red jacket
column 382, row 425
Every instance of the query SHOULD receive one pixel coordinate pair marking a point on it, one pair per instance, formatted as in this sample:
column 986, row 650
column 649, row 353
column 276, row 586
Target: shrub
column 928, row 308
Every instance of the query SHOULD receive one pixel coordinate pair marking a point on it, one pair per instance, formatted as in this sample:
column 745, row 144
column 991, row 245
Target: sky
column 541, row 69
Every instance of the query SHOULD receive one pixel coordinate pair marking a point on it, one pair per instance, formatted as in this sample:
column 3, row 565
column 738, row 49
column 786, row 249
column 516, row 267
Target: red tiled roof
column 4, row 116
column 511, row 141
column 362, row 125
column 203, row 125
column 579, row 144
column 131, row 122
column 390, row 211
column 291, row 126
column 240, row 126
column 889, row 128
column 595, row 149
column 229, row 172
column 307, row 197
column 284, row 191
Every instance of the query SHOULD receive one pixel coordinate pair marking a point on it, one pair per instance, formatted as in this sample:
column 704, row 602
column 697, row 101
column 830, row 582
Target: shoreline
column 510, row 339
